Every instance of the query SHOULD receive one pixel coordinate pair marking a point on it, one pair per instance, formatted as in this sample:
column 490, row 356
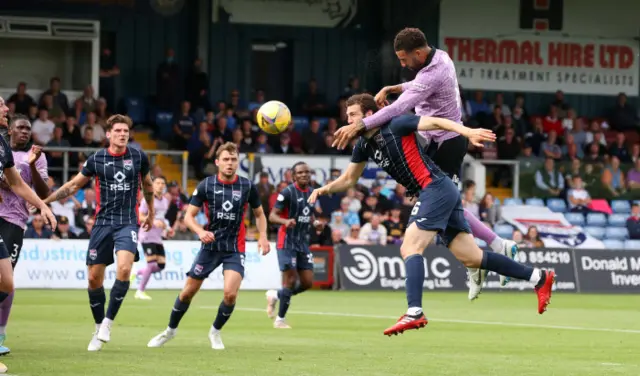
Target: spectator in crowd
column 633, row 222
column 355, row 203
column 184, row 126
column 548, row 180
column 517, row 237
column 37, row 229
column 489, row 211
column 55, row 113
column 102, row 114
column 499, row 103
column 284, row 147
column 613, row 177
column 552, row 122
column 99, row 135
column 348, row 217
column 550, row 148
column 132, row 140
column 168, row 82
column 332, row 126
column 109, row 71
column 321, row 233
column 87, row 142
column 496, row 121
column 88, row 207
column 598, row 138
column 569, row 121
column 635, row 152
column 66, row 207
column 295, row 138
column 313, row 103
column 623, row 116
column 72, row 132
column 262, row 146
column 479, row 105
column 338, row 224
column 395, row 226
column 579, row 135
column 559, row 103
column 326, row 148
column 310, row 137
column 21, row 99
column 197, row 87
column 86, row 103
column 374, row 232
column 259, row 101
column 527, row 160
column 633, row 179
column 34, row 112
column 177, row 202
column 265, row 189
column 63, row 231
column 59, row 98
column 578, row 197
column 337, row 237
column 180, row 229
column 352, row 88
column 592, row 153
column 42, row 128
column 619, row 148
column 200, row 145
column 469, row 197
column 595, row 129
column 56, row 158
column 570, row 149
column 537, row 137
column 353, row 237
column 222, row 130
column 88, row 227
column 533, row 238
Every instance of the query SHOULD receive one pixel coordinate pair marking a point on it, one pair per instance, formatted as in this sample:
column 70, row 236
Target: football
column 273, row 117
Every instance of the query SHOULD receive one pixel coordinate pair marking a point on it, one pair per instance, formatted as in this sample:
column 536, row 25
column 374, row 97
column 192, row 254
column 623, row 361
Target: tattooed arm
column 147, row 189
column 69, row 189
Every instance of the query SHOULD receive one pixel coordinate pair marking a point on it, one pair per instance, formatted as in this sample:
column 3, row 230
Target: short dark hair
column 365, row 101
column 118, row 119
column 468, row 184
column 16, row 118
column 293, row 169
column 409, row 39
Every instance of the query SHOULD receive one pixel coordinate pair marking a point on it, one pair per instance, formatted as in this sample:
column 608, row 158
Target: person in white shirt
column 42, row 128
column 374, row 232
column 578, row 197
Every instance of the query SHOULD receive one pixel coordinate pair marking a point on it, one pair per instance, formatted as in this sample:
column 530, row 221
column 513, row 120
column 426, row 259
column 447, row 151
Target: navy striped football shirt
column 118, row 182
column 226, row 203
column 292, row 203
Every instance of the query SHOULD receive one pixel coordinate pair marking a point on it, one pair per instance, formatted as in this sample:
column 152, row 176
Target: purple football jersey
column 434, row 92
column 154, row 235
column 13, row 209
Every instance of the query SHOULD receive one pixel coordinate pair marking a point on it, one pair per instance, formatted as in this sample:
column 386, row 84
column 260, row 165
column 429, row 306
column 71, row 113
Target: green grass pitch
column 334, row 333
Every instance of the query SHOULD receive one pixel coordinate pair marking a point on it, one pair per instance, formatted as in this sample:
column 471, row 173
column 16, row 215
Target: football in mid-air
column 273, row 117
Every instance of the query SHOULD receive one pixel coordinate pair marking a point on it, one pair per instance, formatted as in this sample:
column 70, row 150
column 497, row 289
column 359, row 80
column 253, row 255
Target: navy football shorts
column 295, row 259
column 207, row 261
column 105, row 239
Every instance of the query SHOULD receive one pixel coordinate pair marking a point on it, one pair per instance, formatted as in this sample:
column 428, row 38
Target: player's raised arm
column 39, row 174
column 348, row 179
column 475, row 135
column 261, row 220
column 19, row 187
column 72, row 186
column 198, row 198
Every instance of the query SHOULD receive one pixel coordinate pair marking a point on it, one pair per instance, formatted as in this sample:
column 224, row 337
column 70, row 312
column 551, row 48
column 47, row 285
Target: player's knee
column 229, row 297
column 6, row 285
column 407, row 250
column 306, row 285
column 124, row 272
column 161, row 265
column 290, row 281
column 94, row 280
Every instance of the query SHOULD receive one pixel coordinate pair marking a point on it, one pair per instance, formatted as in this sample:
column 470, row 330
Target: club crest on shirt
column 379, row 139
column 236, row 195
column 128, row 164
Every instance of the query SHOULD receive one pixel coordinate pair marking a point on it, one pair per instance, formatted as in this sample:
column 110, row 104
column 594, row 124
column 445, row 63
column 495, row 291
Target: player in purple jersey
column 433, row 92
column 295, row 216
column 120, row 172
column 14, row 213
column 151, row 240
column 394, row 147
column 9, row 174
column 225, row 197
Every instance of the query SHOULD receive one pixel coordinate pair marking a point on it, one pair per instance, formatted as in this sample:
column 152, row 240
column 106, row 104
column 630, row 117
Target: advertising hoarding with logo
column 611, row 271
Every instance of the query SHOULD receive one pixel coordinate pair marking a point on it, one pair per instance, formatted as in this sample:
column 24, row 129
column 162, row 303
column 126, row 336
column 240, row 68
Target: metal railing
column 88, row 151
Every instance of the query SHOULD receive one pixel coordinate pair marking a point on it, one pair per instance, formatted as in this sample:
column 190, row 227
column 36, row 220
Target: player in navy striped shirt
column 294, row 214
column 226, row 197
column 119, row 172
column 395, row 148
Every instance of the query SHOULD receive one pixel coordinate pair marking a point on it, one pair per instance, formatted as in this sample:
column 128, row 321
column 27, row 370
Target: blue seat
column 136, row 109
column 621, row 206
column 300, row 123
column 164, row 122
column 613, row 244
column 534, row 202
column 632, row 245
column 503, row 231
column 596, row 219
column 323, row 121
column 619, row 233
column 557, row 205
column 512, row 201
column 496, row 201
column 576, row 219
column 481, row 243
column 618, row 220
column 596, row 232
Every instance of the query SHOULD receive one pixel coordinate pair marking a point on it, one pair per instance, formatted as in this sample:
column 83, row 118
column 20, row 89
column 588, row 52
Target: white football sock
column 414, row 311
column 496, row 244
column 535, row 276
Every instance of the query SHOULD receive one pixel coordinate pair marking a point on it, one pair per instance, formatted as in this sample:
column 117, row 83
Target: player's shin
column 414, row 265
column 284, row 296
column 97, row 299
column 152, row 267
column 179, row 309
column 505, row 266
column 5, row 311
column 224, row 314
column 118, row 293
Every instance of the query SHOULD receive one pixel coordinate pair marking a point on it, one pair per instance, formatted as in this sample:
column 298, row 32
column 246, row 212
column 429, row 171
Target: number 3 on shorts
column 134, row 236
column 415, row 209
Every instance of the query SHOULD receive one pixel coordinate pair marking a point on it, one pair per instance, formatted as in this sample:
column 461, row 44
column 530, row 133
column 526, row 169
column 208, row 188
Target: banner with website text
column 60, row 264
column 546, row 64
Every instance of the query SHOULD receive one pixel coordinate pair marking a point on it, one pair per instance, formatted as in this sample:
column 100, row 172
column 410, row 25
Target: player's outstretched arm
column 19, row 187
column 68, row 189
column 261, row 223
column 190, row 220
column 348, row 179
column 475, row 136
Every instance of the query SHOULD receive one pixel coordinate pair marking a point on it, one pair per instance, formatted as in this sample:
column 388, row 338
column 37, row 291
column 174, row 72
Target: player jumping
column 119, row 172
column 10, row 176
column 295, row 215
column 395, row 148
column 226, row 196
column 434, row 92
column 31, row 164
column 151, row 240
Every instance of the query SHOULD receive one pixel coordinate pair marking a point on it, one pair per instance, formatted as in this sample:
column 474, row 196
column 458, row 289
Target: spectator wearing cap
column 549, row 181
column 37, row 229
column 374, row 232
column 63, row 231
column 633, row 222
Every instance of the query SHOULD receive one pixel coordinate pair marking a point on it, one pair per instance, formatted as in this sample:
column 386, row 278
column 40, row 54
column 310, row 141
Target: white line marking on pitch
column 470, row 322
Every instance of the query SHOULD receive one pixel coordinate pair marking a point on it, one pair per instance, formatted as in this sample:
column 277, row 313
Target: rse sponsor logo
column 391, row 273
column 120, row 187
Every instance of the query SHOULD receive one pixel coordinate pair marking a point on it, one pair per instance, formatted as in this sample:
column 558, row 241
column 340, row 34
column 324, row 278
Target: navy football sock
column 224, row 314
column 118, row 292
column 3, row 296
column 284, row 295
column 505, row 266
column 179, row 309
column 97, row 298
column 298, row 289
column 414, row 265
